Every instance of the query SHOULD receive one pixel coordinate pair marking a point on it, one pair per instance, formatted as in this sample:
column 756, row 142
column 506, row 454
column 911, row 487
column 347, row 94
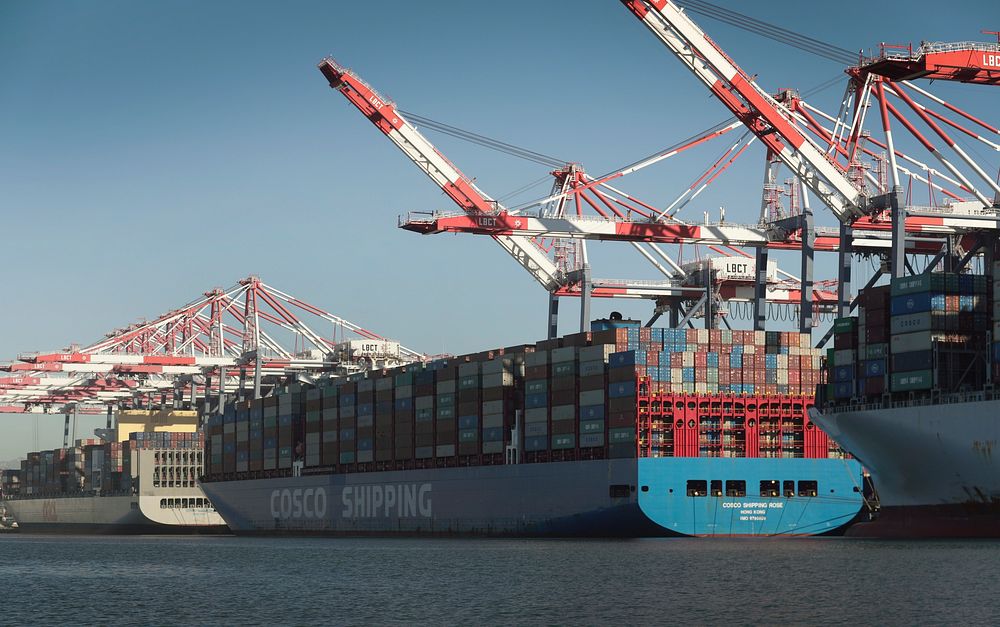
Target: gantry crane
column 191, row 355
column 482, row 215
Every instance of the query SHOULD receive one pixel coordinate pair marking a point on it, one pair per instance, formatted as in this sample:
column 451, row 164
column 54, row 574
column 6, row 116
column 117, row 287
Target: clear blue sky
column 152, row 151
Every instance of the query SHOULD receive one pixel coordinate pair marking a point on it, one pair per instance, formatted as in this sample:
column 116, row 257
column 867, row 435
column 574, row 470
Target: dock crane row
column 246, row 338
column 236, row 341
column 836, row 158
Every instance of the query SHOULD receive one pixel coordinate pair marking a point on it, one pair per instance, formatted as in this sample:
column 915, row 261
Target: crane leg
column 760, row 290
column 553, row 330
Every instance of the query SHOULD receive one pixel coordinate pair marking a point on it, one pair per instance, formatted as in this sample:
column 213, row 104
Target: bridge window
column 769, row 488
column 697, row 487
column 788, row 488
column 716, row 487
column 808, row 488
column 736, row 487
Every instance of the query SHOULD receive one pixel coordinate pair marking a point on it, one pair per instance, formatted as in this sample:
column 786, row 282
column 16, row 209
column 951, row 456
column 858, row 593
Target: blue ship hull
column 600, row 498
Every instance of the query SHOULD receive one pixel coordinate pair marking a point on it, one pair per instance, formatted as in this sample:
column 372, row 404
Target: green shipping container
column 916, row 380
column 845, row 325
column 918, row 283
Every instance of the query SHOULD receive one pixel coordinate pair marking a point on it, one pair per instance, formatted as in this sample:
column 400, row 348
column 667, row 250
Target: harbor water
column 312, row 581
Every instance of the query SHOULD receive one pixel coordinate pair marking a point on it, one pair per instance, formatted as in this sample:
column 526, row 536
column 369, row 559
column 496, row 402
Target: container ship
column 622, row 431
column 141, row 482
column 912, row 395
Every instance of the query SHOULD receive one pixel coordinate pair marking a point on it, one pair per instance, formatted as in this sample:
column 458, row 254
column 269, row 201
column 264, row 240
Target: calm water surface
column 214, row 580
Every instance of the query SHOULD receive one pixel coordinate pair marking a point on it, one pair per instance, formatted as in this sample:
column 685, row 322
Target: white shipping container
column 538, row 358
column 446, row 387
column 468, row 369
column 591, row 368
column 493, row 447
column 404, row 391
column 599, row 352
column 492, row 407
column 498, row 380
column 564, row 412
column 536, row 414
column 910, row 342
column 565, row 354
column 497, row 366
column 845, row 357
column 536, row 429
column 911, row 323
column 492, row 421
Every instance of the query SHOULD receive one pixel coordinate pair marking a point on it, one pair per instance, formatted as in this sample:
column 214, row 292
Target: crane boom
column 384, row 115
column 758, row 111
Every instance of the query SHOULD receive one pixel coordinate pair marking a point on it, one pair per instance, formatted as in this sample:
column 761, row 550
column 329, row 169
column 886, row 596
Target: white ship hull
column 933, row 465
column 111, row 514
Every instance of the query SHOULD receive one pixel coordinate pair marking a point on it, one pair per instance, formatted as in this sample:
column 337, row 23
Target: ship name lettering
column 402, row 500
column 298, row 503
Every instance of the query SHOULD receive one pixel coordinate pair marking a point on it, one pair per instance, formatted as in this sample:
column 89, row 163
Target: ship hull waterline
column 932, row 465
column 598, row 498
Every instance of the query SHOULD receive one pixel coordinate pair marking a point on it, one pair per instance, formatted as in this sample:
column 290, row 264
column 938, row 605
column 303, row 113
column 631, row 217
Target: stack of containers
column 10, row 482
column 873, row 340
column 93, row 455
column 270, row 422
column 564, row 398
column 446, row 423
column 383, row 419
column 314, row 427
column 937, row 324
column 74, row 473
column 111, row 473
column 469, row 407
column 348, row 422
column 423, row 409
column 497, row 402
column 242, row 436
column 366, row 421
column 536, row 404
column 593, row 383
column 624, row 371
column 229, row 439
column 213, row 448
column 403, row 413
column 843, row 357
column 289, row 411
column 330, row 427
column 996, row 321
column 256, row 437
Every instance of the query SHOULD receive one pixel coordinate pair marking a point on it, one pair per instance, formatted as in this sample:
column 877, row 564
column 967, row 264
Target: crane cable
column 487, row 142
column 771, row 31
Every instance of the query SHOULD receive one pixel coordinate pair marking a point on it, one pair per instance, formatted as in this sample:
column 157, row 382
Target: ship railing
column 960, row 45
column 935, row 398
